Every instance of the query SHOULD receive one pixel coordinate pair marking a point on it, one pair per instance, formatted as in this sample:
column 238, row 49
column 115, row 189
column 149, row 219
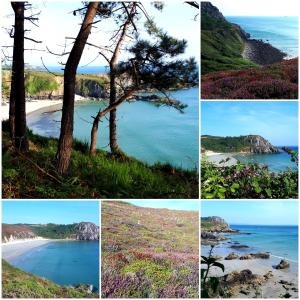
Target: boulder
column 239, row 246
column 282, row 265
column 231, row 256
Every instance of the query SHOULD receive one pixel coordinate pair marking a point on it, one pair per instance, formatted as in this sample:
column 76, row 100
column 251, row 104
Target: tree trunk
column 93, row 146
column 17, row 110
column 114, row 148
column 66, row 130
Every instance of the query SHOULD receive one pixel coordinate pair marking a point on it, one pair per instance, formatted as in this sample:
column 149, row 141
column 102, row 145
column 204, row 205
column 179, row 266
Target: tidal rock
column 231, row 256
column 261, row 255
column 239, row 246
column 282, row 265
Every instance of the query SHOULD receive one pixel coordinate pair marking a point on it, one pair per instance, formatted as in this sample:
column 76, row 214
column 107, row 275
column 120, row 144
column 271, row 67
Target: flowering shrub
column 247, row 181
column 278, row 81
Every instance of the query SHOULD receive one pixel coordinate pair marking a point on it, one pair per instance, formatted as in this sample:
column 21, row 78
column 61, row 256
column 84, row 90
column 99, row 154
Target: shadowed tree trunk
column 17, row 109
column 66, row 131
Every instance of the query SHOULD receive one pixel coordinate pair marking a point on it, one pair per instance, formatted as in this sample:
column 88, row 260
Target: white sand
column 18, row 247
column 216, row 158
column 269, row 289
column 34, row 105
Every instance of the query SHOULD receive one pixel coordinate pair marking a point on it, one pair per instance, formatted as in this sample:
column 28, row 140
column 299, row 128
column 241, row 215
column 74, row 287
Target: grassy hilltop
column 19, row 284
column 148, row 252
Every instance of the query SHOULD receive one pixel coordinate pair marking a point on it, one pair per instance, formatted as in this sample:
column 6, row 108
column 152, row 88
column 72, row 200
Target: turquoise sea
column 64, row 262
column 276, row 162
column 280, row 241
column 146, row 131
column 280, row 32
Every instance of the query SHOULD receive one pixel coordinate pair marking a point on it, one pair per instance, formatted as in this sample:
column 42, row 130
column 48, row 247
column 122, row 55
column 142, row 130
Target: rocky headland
column 87, row 231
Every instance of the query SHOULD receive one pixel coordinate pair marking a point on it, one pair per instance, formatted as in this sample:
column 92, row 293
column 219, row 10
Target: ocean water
column 276, row 162
column 64, row 262
column 280, row 241
column 280, row 32
column 145, row 131
column 80, row 69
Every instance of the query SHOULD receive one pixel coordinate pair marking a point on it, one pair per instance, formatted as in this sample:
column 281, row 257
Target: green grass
column 19, row 284
column 101, row 176
column 221, row 46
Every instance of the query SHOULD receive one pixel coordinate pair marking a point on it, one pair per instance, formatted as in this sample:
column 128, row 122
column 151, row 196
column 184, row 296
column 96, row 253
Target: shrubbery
column 247, row 181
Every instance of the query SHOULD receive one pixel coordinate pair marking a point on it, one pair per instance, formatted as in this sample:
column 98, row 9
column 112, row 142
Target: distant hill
column 78, row 231
column 247, row 143
column 19, row 284
column 222, row 42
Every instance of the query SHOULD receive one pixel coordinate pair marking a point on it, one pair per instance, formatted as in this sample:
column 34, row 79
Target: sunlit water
column 146, row 131
column 63, row 262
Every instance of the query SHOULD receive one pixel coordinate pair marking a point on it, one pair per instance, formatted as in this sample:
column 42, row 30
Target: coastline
column 35, row 105
column 16, row 248
column 220, row 159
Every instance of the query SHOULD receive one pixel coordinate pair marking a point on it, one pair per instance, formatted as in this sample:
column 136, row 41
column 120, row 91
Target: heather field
column 148, row 253
column 276, row 81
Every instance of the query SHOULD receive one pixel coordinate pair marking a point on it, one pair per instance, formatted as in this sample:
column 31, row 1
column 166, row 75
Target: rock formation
column 282, row 265
column 211, row 10
column 87, row 231
column 258, row 144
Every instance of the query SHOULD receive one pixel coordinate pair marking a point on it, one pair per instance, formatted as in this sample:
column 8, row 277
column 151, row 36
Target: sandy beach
column 18, row 247
column 274, row 287
column 220, row 159
column 33, row 105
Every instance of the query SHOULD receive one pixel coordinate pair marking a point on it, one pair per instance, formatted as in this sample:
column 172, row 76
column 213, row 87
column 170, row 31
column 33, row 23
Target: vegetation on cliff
column 45, row 84
column 33, row 175
column 19, row 284
column 221, row 45
column 251, row 181
column 149, row 253
column 276, row 81
column 244, row 143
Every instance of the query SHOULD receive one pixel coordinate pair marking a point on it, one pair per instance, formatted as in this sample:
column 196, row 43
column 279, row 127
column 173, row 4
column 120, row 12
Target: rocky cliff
column 87, row 231
column 16, row 232
column 245, row 143
column 258, row 144
column 212, row 11
column 214, row 224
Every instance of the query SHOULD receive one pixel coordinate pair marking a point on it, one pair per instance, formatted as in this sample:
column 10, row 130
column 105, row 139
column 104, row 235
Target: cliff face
column 211, row 10
column 260, row 145
column 16, row 232
column 247, row 143
column 87, row 231
column 214, row 223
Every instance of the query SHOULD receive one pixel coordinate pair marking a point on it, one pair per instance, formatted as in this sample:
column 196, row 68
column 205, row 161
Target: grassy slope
column 276, row 81
column 102, row 176
column 225, row 144
column 38, row 82
column 19, row 284
column 221, row 46
column 148, row 252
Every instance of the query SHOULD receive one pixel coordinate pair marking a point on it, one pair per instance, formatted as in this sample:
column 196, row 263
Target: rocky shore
column 261, row 52
column 246, row 274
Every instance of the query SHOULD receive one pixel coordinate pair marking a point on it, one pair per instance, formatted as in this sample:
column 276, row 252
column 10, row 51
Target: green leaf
column 219, row 265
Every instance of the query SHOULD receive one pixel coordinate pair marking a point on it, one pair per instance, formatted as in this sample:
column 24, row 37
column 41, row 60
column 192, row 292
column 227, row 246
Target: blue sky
column 57, row 22
column 257, row 7
column 275, row 121
column 171, row 204
column 42, row 212
column 261, row 212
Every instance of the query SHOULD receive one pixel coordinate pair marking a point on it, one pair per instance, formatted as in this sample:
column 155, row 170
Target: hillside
column 214, row 224
column 222, row 42
column 276, row 81
column 101, row 176
column 19, row 284
column 247, row 143
column 44, row 85
column 80, row 231
column 148, row 253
